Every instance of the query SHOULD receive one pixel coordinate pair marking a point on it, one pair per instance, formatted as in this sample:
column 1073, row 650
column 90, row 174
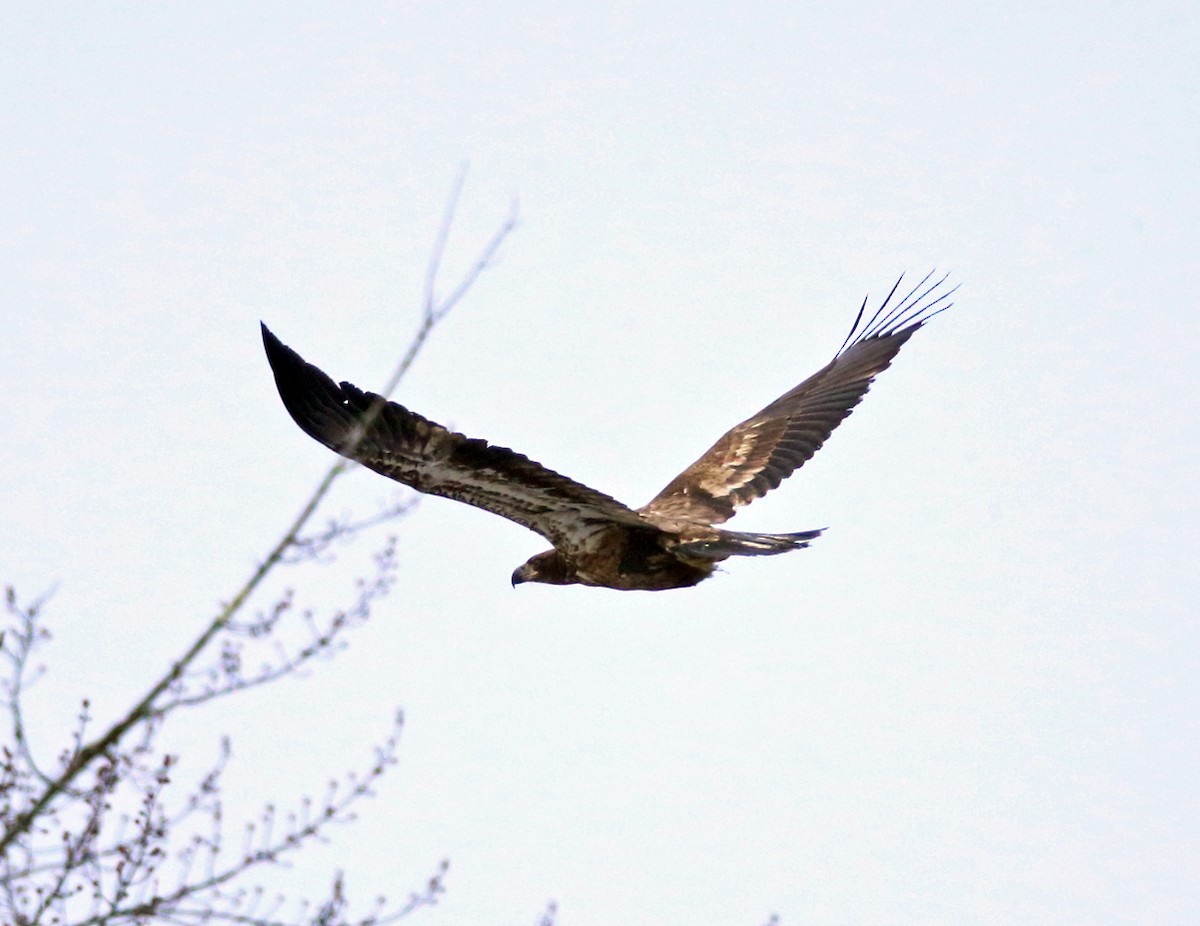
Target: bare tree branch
column 97, row 838
column 87, row 753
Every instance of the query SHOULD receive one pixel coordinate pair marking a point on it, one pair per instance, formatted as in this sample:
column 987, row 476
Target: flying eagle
column 672, row 542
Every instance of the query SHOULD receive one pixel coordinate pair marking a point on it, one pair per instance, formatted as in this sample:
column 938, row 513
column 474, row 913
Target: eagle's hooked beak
column 518, row 576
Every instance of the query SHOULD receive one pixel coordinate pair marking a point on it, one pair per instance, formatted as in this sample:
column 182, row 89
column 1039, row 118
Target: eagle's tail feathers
column 736, row 543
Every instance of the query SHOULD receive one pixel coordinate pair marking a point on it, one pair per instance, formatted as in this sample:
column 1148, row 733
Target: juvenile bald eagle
column 669, row 543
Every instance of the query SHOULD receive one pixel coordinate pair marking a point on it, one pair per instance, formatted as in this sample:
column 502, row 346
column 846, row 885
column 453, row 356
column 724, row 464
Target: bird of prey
column 671, row 542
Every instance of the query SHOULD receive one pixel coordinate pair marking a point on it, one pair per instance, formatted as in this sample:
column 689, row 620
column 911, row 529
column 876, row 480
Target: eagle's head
column 548, row 567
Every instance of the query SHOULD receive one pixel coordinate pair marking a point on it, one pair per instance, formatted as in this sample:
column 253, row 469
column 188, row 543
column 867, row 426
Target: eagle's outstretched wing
column 400, row 444
column 762, row 451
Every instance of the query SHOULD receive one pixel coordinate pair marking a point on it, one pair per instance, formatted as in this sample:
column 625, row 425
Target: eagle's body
column 619, row 557
column 672, row 542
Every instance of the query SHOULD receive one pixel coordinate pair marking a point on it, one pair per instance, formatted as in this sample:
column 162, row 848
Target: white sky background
column 974, row 700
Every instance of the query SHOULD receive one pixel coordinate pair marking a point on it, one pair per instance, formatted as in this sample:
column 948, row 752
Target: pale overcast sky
column 974, row 700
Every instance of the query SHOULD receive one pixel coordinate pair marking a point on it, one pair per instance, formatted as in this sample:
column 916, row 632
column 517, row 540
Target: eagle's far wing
column 762, row 451
column 389, row 439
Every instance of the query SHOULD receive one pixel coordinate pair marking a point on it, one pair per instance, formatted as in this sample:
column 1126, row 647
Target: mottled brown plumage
column 672, row 542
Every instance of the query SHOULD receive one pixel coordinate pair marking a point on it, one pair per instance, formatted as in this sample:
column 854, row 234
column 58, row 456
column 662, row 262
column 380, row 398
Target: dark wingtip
column 312, row 399
column 292, row 372
column 275, row 348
